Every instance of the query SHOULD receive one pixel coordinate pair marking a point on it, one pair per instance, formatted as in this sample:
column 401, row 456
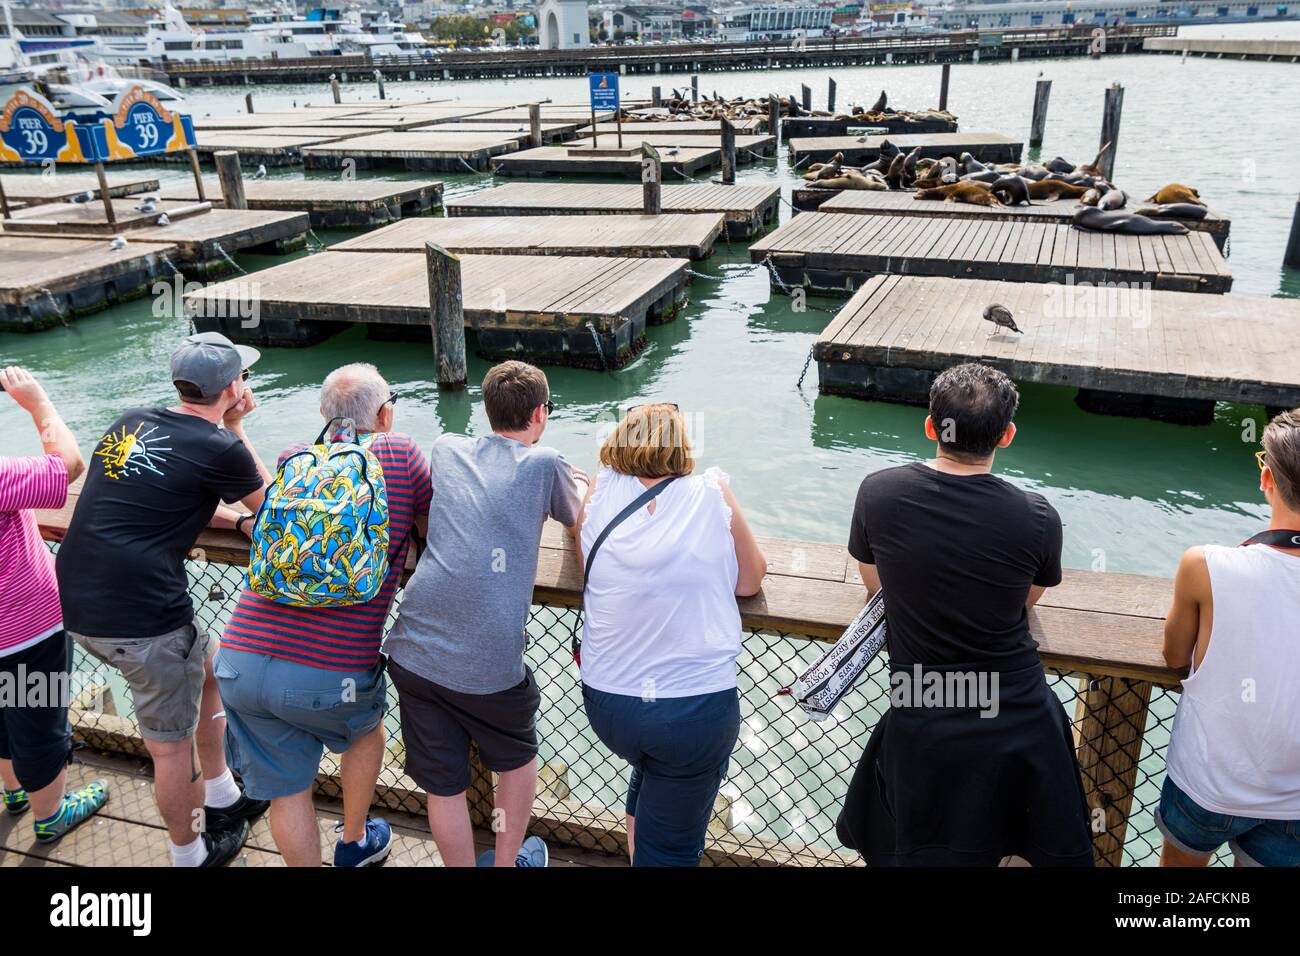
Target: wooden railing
column 1099, row 635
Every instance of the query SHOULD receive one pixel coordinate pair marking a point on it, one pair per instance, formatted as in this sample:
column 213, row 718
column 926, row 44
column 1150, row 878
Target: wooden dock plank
column 422, row 149
column 974, row 248
column 683, row 236
column 747, row 209
column 1174, row 345
column 985, row 146
column 329, row 202
column 35, row 189
column 568, row 160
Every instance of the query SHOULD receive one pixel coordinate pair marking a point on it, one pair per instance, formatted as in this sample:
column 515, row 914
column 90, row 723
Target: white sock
column 220, row 792
column 191, row 854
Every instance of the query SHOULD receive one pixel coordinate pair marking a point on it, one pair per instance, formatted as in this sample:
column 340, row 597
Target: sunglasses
column 392, row 400
column 1259, row 457
column 549, row 406
column 245, row 373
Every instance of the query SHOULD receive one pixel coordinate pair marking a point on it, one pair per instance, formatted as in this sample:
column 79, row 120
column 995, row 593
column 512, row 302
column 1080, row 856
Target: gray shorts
column 165, row 674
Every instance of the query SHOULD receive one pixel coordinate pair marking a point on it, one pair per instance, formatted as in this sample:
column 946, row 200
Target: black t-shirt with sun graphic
column 152, row 484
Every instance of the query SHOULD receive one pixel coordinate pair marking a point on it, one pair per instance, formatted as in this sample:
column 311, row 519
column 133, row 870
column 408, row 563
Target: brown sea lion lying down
column 1053, row 189
column 829, row 170
column 976, row 194
column 850, row 179
column 1176, row 193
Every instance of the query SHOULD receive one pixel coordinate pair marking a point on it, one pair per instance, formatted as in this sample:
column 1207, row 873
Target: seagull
column 148, row 206
column 85, row 197
column 163, row 220
column 1001, row 318
column 672, row 152
column 261, row 172
column 118, row 243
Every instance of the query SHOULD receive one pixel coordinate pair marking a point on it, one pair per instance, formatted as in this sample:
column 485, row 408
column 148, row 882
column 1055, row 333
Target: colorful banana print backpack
column 320, row 538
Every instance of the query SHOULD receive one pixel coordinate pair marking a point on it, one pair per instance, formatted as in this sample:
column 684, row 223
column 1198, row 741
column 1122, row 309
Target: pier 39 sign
column 31, row 130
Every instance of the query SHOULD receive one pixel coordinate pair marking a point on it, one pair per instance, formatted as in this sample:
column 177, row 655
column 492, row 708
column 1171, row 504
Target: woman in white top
column 662, row 630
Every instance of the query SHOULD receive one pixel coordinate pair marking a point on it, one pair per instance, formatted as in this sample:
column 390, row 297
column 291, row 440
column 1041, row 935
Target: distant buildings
column 775, row 21
column 562, row 24
column 1051, row 13
column 661, row 22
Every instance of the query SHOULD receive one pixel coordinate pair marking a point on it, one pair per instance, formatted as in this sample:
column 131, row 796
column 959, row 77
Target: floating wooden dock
column 897, row 203
column 748, row 209
column 987, row 147
column 90, row 219
column 551, row 132
column 680, row 236
column 748, row 145
column 36, row 189
column 604, row 160
column 46, row 280
column 415, row 150
column 256, row 150
column 835, row 253
column 693, row 129
column 205, row 243
column 1168, row 355
column 551, row 309
column 799, row 127
column 331, row 203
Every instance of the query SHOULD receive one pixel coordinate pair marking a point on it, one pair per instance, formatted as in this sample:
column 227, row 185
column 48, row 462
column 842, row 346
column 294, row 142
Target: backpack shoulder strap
column 640, row 501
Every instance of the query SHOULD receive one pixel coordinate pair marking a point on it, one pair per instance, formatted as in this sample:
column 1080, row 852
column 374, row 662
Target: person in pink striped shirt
column 35, row 650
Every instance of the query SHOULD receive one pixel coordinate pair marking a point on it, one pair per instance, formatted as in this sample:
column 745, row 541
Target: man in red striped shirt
column 295, row 680
column 35, row 650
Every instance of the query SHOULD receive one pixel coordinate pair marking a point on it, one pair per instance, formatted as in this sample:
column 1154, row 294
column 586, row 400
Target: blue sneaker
column 77, row 807
column 372, row 851
column 532, row 853
column 15, row 801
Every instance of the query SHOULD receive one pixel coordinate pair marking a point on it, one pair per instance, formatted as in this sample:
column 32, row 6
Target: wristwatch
column 239, row 522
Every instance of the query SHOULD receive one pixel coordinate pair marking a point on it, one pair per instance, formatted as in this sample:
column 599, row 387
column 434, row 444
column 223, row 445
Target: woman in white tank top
column 661, row 629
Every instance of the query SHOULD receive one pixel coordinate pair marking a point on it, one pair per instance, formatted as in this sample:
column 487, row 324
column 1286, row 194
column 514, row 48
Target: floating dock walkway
column 415, row 150
column 679, row 236
column 46, row 280
column 835, row 253
column 605, row 160
column 331, row 203
column 34, row 190
column 551, row 309
column 801, row 127
column 1168, row 355
column 901, row 203
column 748, row 209
column 987, row 147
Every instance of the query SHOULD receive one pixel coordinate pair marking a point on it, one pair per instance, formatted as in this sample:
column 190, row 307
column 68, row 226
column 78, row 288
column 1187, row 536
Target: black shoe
column 245, row 808
column 224, row 845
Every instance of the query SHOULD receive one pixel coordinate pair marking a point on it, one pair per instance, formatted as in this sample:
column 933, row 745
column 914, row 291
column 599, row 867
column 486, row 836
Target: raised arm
column 749, row 557
column 56, row 438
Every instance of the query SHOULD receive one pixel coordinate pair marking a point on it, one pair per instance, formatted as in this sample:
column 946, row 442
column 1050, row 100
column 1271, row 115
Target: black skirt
column 943, row 786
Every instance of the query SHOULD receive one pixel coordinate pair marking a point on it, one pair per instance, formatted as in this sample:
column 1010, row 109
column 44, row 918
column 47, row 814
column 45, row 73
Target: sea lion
column 1091, row 197
column 888, row 149
column 850, row 179
column 1011, row 190
column 972, row 165
column 1058, row 165
column 1177, row 210
column 1131, row 224
column 879, row 105
column 987, row 177
column 831, row 169
column 1094, row 168
column 1176, row 193
column 1052, row 190
column 966, row 192
column 1112, row 199
column 1034, row 172
column 897, row 175
column 909, row 163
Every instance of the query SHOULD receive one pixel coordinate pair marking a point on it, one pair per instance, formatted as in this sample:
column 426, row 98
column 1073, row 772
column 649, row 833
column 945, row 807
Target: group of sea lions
column 679, row 106
column 1103, row 207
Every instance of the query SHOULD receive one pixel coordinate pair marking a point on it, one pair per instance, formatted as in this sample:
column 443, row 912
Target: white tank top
column 1235, row 747
column 660, row 611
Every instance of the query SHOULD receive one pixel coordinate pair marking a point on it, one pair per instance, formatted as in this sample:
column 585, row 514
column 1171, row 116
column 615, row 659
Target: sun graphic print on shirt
column 130, row 452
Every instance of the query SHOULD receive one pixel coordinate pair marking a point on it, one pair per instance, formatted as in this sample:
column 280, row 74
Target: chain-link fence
column 788, row 775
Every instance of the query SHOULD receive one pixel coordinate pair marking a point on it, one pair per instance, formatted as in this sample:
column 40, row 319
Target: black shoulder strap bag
column 637, row 504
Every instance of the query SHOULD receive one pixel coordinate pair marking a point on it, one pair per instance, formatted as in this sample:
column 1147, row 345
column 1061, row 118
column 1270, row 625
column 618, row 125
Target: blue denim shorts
column 1198, row 831
column 281, row 715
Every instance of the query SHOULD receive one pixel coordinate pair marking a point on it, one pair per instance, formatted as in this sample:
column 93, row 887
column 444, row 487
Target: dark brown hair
column 511, row 391
column 1281, row 441
column 971, row 406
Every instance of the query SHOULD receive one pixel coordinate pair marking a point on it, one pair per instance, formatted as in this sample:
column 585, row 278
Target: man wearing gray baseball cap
column 156, row 479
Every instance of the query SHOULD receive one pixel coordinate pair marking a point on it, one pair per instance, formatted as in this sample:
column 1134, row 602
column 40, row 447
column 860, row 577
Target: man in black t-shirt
column 962, row 555
column 156, row 478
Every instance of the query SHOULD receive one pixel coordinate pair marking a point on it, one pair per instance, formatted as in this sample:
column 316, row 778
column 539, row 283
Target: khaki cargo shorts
column 165, row 674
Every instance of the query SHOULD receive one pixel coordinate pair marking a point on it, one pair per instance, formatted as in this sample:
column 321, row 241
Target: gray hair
column 355, row 391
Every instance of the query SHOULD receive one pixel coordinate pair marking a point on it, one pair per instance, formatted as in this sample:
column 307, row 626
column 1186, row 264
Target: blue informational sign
column 604, row 91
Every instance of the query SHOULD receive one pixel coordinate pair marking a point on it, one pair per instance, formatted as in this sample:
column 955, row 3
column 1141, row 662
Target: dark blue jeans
column 679, row 748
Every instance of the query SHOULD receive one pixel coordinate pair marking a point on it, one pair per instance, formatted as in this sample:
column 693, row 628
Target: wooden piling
column 198, row 173
column 774, row 116
column 446, row 316
column 652, row 174
column 1042, row 92
column 334, row 89
column 4, row 201
column 1110, row 128
column 104, row 195
column 535, row 124
column 830, row 95
column 805, row 97
column 1109, row 722
column 248, row 103
column 656, row 97
column 379, row 81
column 943, row 87
column 1292, row 258
column 695, row 87
column 231, row 178
column 728, row 152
